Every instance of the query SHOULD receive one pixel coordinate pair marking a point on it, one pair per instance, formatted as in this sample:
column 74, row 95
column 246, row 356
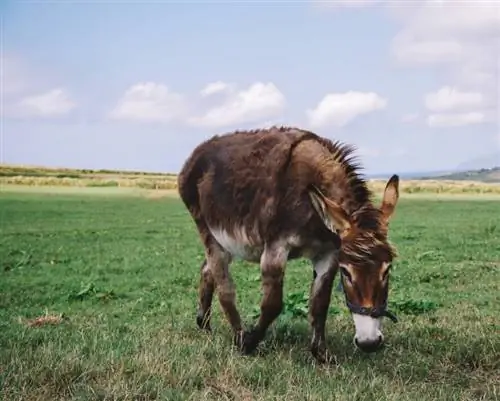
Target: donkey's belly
column 238, row 244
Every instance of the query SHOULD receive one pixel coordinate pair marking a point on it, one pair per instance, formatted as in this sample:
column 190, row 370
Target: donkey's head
column 365, row 260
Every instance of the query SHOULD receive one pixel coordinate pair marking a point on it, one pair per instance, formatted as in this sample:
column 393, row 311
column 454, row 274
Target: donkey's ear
column 333, row 215
column 390, row 199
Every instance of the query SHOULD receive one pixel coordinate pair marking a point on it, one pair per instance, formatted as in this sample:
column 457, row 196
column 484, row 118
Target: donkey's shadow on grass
column 292, row 337
column 414, row 352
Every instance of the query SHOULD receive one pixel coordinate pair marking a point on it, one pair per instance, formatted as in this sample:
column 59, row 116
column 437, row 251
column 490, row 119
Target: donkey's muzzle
column 369, row 345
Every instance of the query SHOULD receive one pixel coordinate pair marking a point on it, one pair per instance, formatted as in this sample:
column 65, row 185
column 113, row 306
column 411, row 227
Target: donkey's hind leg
column 218, row 261
column 206, row 293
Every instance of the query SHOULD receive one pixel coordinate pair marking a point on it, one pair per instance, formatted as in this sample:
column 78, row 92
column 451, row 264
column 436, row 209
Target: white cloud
column 476, row 73
column 29, row 92
column 447, row 32
column 149, row 102
column 450, row 99
column 339, row 109
column 216, row 87
column 455, row 119
column 55, row 102
column 464, row 19
column 426, row 52
column 462, row 39
column 258, row 102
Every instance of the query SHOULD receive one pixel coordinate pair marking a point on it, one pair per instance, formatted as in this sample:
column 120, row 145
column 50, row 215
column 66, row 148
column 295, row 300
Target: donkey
column 272, row 195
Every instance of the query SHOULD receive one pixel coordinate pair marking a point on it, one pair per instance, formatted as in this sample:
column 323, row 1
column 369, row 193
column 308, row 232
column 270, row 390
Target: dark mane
column 370, row 235
column 344, row 154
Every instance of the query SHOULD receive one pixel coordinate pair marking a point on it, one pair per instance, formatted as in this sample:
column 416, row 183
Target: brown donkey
column 272, row 195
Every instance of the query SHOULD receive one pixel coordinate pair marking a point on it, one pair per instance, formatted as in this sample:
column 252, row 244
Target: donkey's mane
column 370, row 235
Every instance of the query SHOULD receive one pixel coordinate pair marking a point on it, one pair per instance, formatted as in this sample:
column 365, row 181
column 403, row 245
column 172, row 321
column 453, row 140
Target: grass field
column 113, row 281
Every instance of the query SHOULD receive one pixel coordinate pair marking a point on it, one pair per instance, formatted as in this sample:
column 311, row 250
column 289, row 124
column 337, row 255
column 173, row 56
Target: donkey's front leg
column 272, row 263
column 325, row 268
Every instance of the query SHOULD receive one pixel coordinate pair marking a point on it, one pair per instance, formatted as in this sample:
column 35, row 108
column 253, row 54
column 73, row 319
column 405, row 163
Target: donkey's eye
column 386, row 273
column 346, row 274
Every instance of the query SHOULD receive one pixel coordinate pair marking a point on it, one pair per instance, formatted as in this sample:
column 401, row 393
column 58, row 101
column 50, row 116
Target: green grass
column 123, row 271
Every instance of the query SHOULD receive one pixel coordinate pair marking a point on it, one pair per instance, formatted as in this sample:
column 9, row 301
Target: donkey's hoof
column 321, row 354
column 247, row 341
column 318, row 352
column 203, row 322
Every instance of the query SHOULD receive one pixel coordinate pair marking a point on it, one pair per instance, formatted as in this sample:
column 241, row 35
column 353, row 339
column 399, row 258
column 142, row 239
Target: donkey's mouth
column 370, row 346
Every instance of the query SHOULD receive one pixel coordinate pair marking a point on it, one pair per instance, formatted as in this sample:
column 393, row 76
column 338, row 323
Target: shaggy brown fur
column 271, row 195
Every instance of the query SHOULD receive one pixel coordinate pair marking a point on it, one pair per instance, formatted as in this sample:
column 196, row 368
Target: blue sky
column 137, row 86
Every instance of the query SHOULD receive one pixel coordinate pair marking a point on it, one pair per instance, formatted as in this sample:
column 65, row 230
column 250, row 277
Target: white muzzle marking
column 368, row 329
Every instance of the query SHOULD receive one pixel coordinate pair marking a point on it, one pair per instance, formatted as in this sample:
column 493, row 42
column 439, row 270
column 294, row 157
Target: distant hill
column 485, row 169
column 411, row 175
column 488, row 161
column 491, row 175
